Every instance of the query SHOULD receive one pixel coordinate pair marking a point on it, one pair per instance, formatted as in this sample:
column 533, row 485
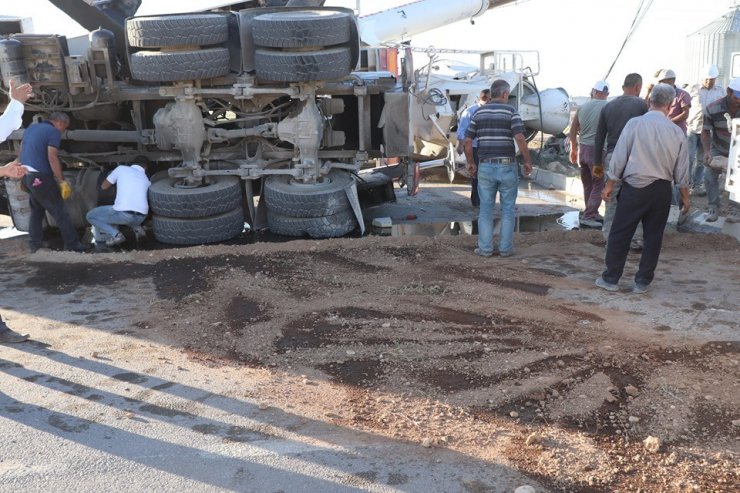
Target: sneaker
column 639, row 288
column 140, row 232
column 506, row 254
column 712, row 215
column 8, row 336
column 115, row 240
column 699, row 192
column 636, row 245
column 481, row 253
column 600, row 282
column 591, row 223
column 599, row 217
column 733, row 217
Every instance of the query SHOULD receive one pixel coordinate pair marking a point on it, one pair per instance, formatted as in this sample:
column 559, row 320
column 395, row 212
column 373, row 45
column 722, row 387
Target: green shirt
column 588, row 119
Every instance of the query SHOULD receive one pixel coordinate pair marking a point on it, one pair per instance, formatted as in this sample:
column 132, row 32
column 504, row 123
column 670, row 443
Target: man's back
column 495, row 125
column 615, row 115
column 131, row 189
column 588, row 120
column 35, row 147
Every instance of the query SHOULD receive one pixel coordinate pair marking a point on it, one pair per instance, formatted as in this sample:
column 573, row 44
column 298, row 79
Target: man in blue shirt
column 497, row 126
column 40, row 156
column 462, row 127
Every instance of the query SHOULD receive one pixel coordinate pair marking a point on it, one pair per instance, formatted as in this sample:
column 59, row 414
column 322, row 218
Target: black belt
column 499, row 160
column 135, row 212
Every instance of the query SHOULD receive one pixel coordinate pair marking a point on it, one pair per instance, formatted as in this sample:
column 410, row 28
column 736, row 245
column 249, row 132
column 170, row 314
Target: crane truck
column 281, row 99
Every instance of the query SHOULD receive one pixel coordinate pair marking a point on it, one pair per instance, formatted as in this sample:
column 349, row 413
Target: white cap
column 735, row 85
column 710, row 71
column 666, row 73
column 601, row 86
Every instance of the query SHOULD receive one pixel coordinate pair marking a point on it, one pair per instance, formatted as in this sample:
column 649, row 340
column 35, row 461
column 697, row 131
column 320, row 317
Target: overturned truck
column 266, row 100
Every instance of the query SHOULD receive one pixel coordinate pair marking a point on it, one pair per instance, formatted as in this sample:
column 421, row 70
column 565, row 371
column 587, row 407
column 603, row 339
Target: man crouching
column 650, row 154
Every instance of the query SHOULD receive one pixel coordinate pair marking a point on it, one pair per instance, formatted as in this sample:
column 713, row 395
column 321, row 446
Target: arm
column 522, row 143
column 681, row 175
column 12, row 170
column 706, row 143
column 105, row 185
column 599, row 143
column 468, row 147
column 56, row 164
column 12, row 117
column 575, row 127
column 685, row 102
column 462, row 127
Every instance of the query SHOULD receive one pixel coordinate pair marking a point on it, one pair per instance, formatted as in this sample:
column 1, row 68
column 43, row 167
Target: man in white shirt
column 130, row 207
column 702, row 93
column 10, row 120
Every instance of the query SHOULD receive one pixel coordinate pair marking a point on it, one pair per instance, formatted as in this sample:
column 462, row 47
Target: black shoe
column 79, row 248
column 8, row 336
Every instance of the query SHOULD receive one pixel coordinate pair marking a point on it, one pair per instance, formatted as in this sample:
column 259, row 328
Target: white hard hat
column 735, row 85
column 601, row 86
column 710, row 71
column 666, row 74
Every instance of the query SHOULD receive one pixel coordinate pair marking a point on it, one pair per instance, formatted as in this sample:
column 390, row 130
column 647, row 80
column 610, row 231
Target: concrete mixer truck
column 279, row 99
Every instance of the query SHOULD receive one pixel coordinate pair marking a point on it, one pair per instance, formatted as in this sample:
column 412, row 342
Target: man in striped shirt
column 497, row 126
column 715, row 139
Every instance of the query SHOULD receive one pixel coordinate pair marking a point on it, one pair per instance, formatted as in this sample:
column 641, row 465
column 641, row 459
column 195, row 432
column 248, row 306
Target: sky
column 577, row 40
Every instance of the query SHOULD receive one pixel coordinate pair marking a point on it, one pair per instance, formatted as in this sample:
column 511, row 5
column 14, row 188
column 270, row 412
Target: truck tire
column 198, row 231
column 177, row 30
column 171, row 66
column 302, row 29
column 303, row 66
column 297, row 200
column 332, row 226
column 222, row 194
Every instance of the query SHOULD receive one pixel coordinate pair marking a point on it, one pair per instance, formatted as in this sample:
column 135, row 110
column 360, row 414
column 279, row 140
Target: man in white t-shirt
column 130, row 207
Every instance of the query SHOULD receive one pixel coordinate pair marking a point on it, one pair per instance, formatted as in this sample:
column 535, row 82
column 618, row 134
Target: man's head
column 662, row 96
column 709, row 76
column 600, row 90
column 484, row 96
column 733, row 91
column 632, row 84
column 667, row 76
column 500, row 90
column 59, row 120
column 142, row 161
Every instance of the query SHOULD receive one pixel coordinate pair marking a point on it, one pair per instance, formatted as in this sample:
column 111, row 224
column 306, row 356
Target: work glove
column 66, row 189
column 598, row 172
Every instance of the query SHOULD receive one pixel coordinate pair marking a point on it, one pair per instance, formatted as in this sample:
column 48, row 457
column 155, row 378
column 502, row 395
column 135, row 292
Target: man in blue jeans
column 130, row 207
column 496, row 125
column 462, row 127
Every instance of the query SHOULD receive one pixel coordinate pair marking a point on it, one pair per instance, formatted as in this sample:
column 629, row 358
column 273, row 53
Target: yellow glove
column 66, row 189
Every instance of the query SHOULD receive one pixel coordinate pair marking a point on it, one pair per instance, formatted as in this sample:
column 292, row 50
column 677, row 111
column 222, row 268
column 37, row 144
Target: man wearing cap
column 614, row 116
column 715, row 139
column 702, row 93
column 582, row 150
column 678, row 113
column 647, row 172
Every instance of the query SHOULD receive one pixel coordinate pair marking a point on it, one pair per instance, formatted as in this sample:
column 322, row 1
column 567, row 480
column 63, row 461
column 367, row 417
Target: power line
column 639, row 16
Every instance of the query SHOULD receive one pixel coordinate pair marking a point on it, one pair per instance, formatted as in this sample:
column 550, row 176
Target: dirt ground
column 519, row 361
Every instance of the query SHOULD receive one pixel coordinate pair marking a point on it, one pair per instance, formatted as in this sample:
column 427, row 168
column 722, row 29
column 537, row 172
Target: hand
column 472, row 170
column 597, row 171
column 606, row 194
column 685, row 207
column 66, row 189
column 13, row 170
column 573, row 155
column 527, row 168
column 21, row 93
column 707, row 157
column 460, row 148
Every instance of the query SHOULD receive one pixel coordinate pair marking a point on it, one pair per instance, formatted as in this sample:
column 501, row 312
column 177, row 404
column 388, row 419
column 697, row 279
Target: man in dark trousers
column 45, row 182
column 651, row 155
column 10, row 120
column 614, row 116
